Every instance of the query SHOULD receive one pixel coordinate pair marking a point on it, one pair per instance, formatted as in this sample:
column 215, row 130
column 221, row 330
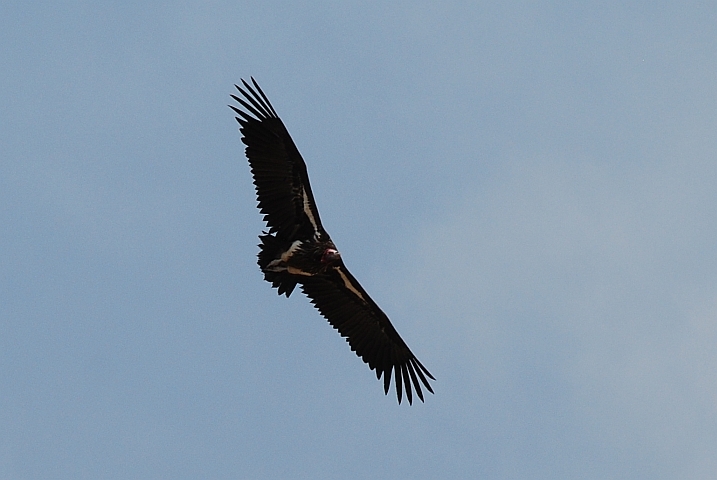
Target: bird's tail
column 270, row 249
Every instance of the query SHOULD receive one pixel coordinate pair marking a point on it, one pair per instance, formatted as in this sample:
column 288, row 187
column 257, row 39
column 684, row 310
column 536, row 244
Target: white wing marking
column 307, row 210
column 348, row 284
column 297, row 271
column 287, row 254
column 279, row 264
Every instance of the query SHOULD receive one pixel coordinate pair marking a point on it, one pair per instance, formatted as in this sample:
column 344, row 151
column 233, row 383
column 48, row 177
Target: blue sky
column 527, row 189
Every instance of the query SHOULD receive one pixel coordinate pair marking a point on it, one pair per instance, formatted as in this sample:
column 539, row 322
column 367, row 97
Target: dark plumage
column 297, row 249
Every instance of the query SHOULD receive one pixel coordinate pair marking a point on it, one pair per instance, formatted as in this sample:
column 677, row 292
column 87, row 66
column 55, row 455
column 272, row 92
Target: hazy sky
column 527, row 189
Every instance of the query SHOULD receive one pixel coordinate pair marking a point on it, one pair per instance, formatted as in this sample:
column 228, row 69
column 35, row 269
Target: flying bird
column 296, row 250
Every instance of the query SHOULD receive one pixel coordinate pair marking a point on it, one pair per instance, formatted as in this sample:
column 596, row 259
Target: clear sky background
column 527, row 189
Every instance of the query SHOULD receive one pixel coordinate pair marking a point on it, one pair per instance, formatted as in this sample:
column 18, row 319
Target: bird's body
column 298, row 251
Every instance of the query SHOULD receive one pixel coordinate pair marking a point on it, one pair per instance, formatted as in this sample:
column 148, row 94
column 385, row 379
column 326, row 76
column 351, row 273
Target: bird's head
column 330, row 255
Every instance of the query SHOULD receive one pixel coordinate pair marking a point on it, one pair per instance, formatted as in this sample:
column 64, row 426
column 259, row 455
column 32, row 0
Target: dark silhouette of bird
column 296, row 250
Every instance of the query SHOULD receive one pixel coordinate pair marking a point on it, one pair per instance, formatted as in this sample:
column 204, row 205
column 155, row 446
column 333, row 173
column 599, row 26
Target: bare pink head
column 330, row 255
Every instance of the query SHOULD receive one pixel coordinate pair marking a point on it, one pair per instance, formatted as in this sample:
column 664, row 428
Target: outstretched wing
column 349, row 309
column 280, row 177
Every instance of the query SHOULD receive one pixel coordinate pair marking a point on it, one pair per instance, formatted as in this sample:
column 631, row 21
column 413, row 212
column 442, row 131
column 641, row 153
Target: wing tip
column 258, row 103
column 408, row 377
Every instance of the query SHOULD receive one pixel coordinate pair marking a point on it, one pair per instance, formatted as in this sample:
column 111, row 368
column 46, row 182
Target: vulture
column 296, row 250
